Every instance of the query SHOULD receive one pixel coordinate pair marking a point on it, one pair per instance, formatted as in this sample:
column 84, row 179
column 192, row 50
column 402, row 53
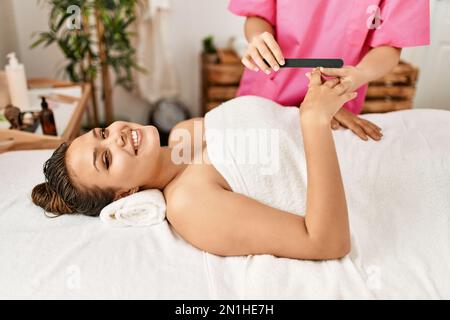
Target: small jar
column 28, row 119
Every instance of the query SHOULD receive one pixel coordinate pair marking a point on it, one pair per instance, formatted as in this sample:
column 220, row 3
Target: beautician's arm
column 376, row 63
column 231, row 224
column 254, row 26
column 379, row 61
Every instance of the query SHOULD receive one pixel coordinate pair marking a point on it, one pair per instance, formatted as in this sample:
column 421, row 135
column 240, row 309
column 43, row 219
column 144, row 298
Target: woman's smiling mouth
column 136, row 137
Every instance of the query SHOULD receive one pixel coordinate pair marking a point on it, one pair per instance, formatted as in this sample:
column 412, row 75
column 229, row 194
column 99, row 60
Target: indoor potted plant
column 101, row 42
column 210, row 50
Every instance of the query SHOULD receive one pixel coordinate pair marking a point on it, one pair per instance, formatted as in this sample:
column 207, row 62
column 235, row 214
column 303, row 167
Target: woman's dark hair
column 59, row 195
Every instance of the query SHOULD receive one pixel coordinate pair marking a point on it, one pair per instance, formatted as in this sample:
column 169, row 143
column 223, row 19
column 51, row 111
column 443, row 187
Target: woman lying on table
column 88, row 173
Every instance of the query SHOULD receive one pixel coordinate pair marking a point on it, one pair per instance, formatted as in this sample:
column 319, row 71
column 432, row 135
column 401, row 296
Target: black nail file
column 313, row 63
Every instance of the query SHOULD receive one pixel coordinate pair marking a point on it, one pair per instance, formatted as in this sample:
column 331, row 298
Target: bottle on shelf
column 17, row 83
column 47, row 119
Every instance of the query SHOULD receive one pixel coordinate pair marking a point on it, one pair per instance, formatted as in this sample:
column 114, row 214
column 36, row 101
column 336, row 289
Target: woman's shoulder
column 190, row 126
column 181, row 194
column 198, row 179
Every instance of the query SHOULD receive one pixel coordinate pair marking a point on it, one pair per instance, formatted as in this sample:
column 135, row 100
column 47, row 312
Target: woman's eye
column 106, row 160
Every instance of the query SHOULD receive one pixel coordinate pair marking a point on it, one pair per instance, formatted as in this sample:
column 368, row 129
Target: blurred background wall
column 190, row 22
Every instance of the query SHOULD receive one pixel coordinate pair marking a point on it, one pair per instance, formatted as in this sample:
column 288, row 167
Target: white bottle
column 17, row 83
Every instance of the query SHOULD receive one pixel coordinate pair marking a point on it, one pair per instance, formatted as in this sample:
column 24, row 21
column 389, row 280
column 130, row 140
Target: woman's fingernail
column 256, row 69
column 321, row 69
column 276, row 68
column 267, row 71
column 282, row 62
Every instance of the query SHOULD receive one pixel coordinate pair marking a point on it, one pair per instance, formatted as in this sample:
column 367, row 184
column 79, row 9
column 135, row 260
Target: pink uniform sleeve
column 261, row 8
column 404, row 23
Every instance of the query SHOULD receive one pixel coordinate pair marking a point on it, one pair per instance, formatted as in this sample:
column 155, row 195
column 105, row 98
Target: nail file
column 313, row 63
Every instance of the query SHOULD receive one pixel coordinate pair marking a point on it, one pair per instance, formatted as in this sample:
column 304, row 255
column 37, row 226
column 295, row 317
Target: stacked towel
column 144, row 208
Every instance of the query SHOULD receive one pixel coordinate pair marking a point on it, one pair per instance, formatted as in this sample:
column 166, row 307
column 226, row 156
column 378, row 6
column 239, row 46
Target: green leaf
column 78, row 45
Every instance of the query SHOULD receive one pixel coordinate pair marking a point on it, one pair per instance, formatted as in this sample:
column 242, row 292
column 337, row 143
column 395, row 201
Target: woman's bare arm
column 228, row 224
column 326, row 216
column 326, row 212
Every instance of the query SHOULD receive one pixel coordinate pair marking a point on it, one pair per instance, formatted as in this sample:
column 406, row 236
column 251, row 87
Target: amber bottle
column 47, row 119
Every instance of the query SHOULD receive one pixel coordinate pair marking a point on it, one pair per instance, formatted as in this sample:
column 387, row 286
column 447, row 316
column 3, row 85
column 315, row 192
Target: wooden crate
column 395, row 91
column 220, row 81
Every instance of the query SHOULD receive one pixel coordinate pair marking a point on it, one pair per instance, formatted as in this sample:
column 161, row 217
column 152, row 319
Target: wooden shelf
column 11, row 139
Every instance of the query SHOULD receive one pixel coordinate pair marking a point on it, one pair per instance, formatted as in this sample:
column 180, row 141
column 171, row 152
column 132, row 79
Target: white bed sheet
column 77, row 257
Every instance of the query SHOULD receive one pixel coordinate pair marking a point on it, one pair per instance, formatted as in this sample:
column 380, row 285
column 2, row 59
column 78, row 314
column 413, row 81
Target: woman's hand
column 361, row 127
column 352, row 77
column 263, row 46
column 375, row 64
column 323, row 100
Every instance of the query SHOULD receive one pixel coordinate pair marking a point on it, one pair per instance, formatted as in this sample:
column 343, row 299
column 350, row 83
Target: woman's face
column 107, row 158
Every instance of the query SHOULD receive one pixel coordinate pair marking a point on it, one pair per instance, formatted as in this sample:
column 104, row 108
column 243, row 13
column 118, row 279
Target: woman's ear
column 122, row 194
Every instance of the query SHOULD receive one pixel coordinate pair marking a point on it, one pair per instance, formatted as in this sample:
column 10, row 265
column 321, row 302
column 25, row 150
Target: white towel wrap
column 397, row 190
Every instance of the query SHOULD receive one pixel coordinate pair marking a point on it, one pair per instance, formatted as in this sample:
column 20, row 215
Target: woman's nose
column 121, row 139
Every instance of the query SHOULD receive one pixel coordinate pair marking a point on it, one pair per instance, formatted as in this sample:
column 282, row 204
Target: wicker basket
column 220, row 81
column 395, row 91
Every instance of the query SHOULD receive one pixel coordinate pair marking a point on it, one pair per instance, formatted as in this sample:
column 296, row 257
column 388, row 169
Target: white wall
column 432, row 60
column 8, row 36
column 190, row 22
column 30, row 18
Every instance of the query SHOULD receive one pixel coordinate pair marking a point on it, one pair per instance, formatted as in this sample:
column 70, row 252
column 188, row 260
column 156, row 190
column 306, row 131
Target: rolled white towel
column 143, row 208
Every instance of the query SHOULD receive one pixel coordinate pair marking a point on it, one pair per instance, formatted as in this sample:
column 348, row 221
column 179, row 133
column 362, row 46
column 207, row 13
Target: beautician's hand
column 352, row 77
column 361, row 127
column 324, row 99
column 263, row 46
